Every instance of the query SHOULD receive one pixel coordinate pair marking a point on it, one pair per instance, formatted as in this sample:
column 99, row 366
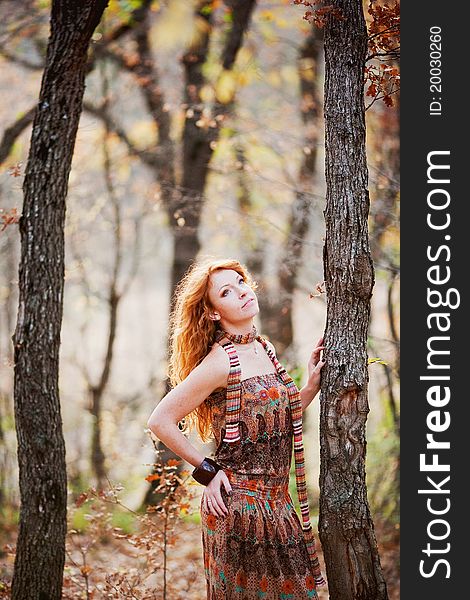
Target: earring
column 215, row 317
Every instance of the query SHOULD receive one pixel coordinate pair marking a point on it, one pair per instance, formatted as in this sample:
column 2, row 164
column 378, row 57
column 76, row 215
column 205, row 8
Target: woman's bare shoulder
column 217, row 364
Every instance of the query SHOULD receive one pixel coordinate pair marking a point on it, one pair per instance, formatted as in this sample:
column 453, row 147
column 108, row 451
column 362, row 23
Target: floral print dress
column 257, row 550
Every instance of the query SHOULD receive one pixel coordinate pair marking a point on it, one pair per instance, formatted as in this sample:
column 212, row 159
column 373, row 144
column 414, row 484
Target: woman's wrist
column 310, row 390
column 308, row 393
column 206, row 471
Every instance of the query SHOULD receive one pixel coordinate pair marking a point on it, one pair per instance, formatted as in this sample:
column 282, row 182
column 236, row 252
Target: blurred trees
column 183, row 197
column 201, row 131
column 114, row 289
column 384, row 338
column 183, row 201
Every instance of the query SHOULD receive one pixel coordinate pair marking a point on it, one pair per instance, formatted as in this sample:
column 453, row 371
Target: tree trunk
column 346, row 527
column 40, row 551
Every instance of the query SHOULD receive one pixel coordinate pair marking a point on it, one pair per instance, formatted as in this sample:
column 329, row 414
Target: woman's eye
column 225, row 292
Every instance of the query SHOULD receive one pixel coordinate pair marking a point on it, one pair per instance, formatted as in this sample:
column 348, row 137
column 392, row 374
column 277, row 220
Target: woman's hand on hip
column 212, row 497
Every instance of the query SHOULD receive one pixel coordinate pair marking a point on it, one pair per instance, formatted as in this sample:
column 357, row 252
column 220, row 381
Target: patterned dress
column 258, row 549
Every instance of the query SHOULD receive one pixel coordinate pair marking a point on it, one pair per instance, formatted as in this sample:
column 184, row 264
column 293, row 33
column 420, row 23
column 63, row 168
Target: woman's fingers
column 216, row 506
column 220, row 506
column 208, row 504
column 213, row 497
column 226, row 482
column 315, row 356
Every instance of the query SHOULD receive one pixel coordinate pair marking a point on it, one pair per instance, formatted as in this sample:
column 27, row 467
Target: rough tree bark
column 40, row 553
column 346, row 527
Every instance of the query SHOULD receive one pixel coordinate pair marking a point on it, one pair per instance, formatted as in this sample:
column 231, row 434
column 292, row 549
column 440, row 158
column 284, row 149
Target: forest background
column 136, row 162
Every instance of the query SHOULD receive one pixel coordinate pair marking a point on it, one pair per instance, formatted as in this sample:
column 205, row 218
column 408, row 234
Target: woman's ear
column 214, row 316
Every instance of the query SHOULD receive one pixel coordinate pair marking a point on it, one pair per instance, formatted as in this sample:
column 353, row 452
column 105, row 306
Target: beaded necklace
column 232, row 432
column 241, row 338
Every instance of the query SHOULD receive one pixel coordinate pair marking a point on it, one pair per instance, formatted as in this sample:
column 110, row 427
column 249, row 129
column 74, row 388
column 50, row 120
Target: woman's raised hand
column 212, row 497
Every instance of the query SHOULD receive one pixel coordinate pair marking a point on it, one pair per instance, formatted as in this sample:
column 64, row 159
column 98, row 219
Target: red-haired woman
column 229, row 384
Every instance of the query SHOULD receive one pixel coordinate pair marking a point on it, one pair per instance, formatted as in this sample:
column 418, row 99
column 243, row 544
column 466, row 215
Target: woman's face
column 231, row 298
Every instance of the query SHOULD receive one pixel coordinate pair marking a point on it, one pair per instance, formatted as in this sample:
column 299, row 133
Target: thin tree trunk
column 282, row 328
column 200, row 130
column 7, row 315
column 276, row 308
column 40, row 553
column 346, row 527
column 3, row 474
column 251, row 236
column 97, row 391
column 391, row 321
column 384, row 214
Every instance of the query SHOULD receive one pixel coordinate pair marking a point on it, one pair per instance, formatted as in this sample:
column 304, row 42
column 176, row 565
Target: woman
column 228, row 382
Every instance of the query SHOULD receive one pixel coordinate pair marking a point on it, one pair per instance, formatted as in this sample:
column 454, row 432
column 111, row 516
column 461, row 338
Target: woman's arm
column 210, row 374
column 307, row 394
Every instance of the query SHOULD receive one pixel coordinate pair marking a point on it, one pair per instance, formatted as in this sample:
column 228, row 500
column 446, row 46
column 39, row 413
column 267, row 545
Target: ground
column 115, row 568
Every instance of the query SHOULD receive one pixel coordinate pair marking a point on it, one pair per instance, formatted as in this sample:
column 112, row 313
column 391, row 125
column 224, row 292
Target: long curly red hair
column 192, row 331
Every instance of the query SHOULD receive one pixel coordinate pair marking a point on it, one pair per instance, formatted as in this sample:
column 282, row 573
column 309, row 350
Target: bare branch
column 394, row 54
column 16, row 129
column 11, row 133
column 147, row 156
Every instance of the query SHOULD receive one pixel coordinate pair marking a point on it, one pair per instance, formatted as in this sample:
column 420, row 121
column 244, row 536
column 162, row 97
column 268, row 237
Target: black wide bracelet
column 206, row 471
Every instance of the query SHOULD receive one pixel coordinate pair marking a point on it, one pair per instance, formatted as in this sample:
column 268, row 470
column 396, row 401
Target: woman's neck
column 240, row 328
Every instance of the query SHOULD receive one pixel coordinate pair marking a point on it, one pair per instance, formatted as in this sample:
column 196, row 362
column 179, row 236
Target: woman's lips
column 248, row 302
